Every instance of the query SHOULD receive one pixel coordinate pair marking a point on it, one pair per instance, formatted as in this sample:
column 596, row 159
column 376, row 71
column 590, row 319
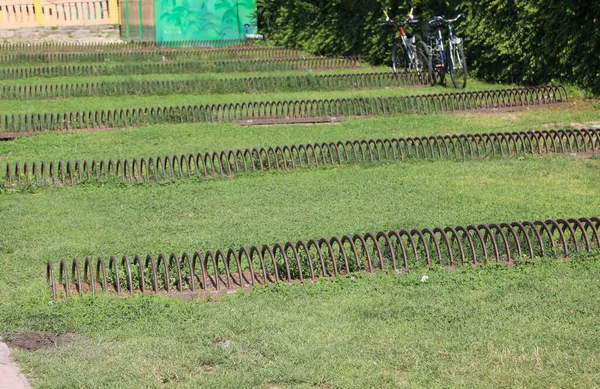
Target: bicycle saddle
column 414, row 22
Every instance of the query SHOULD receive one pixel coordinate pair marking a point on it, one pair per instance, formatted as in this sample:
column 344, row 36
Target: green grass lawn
column 190, row 138
column 258, row 209
column 199, row 76
column 124, row 102
column 531, row 326
column 526, row 326
column 142, row 56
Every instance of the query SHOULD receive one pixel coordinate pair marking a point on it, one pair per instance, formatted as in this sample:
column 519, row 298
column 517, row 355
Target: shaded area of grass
column 527, row 326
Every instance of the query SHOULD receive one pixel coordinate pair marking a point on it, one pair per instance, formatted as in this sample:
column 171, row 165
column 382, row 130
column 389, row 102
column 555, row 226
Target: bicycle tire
column 443, row 72
column 458, row 67
column 438, row 68
column 399, row 57
column 423, row 57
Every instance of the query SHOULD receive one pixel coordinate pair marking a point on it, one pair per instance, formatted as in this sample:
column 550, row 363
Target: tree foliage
column 521, row 41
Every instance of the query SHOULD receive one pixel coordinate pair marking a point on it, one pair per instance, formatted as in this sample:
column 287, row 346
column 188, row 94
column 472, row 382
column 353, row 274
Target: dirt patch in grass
column 32, row 341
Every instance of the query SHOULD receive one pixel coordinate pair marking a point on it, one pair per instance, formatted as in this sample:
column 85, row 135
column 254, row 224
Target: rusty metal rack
column 306, row 261
column 282, row 158
column 212, row 86
column 83, row 46
column 157, row 55
column 221, row 66
column 15, row 125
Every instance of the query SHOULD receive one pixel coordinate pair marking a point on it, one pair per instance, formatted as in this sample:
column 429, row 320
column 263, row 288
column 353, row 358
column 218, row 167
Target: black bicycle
column 407, row 54
column 453, row 61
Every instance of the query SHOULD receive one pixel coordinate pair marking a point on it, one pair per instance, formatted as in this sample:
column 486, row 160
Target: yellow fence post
column 114, row 12
column 39, row 12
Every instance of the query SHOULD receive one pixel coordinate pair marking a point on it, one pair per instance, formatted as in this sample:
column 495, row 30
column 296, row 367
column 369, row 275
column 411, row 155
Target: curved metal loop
column 273, row 110
column 229, row 163
column 179, row 67
column 225, row 270
column 207, row 86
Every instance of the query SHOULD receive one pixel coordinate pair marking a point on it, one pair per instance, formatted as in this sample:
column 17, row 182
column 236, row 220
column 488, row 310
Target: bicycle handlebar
column 410, row 21
column 441, row 19
column 458, row 18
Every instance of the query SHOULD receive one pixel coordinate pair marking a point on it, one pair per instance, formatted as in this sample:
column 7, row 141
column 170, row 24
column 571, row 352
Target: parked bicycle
column 407, row 54
column 454, row 60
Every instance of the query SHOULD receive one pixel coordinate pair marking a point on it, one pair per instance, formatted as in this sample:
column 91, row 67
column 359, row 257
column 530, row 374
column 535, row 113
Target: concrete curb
column 10, row 375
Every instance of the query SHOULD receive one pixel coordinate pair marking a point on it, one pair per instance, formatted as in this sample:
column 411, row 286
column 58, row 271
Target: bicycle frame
column 450, row 59
column 451, row 42
column 440, row 44
column 450, row 45
column 402, row 35
column 408, row 47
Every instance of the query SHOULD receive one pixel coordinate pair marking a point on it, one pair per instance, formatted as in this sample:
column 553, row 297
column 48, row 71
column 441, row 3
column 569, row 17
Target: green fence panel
column 178, row 20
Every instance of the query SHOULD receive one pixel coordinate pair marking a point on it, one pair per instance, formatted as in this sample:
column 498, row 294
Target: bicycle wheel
column 400, row 61
column 423, row 62
column 458, row 67
column 442, row 73
column 438, row 68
